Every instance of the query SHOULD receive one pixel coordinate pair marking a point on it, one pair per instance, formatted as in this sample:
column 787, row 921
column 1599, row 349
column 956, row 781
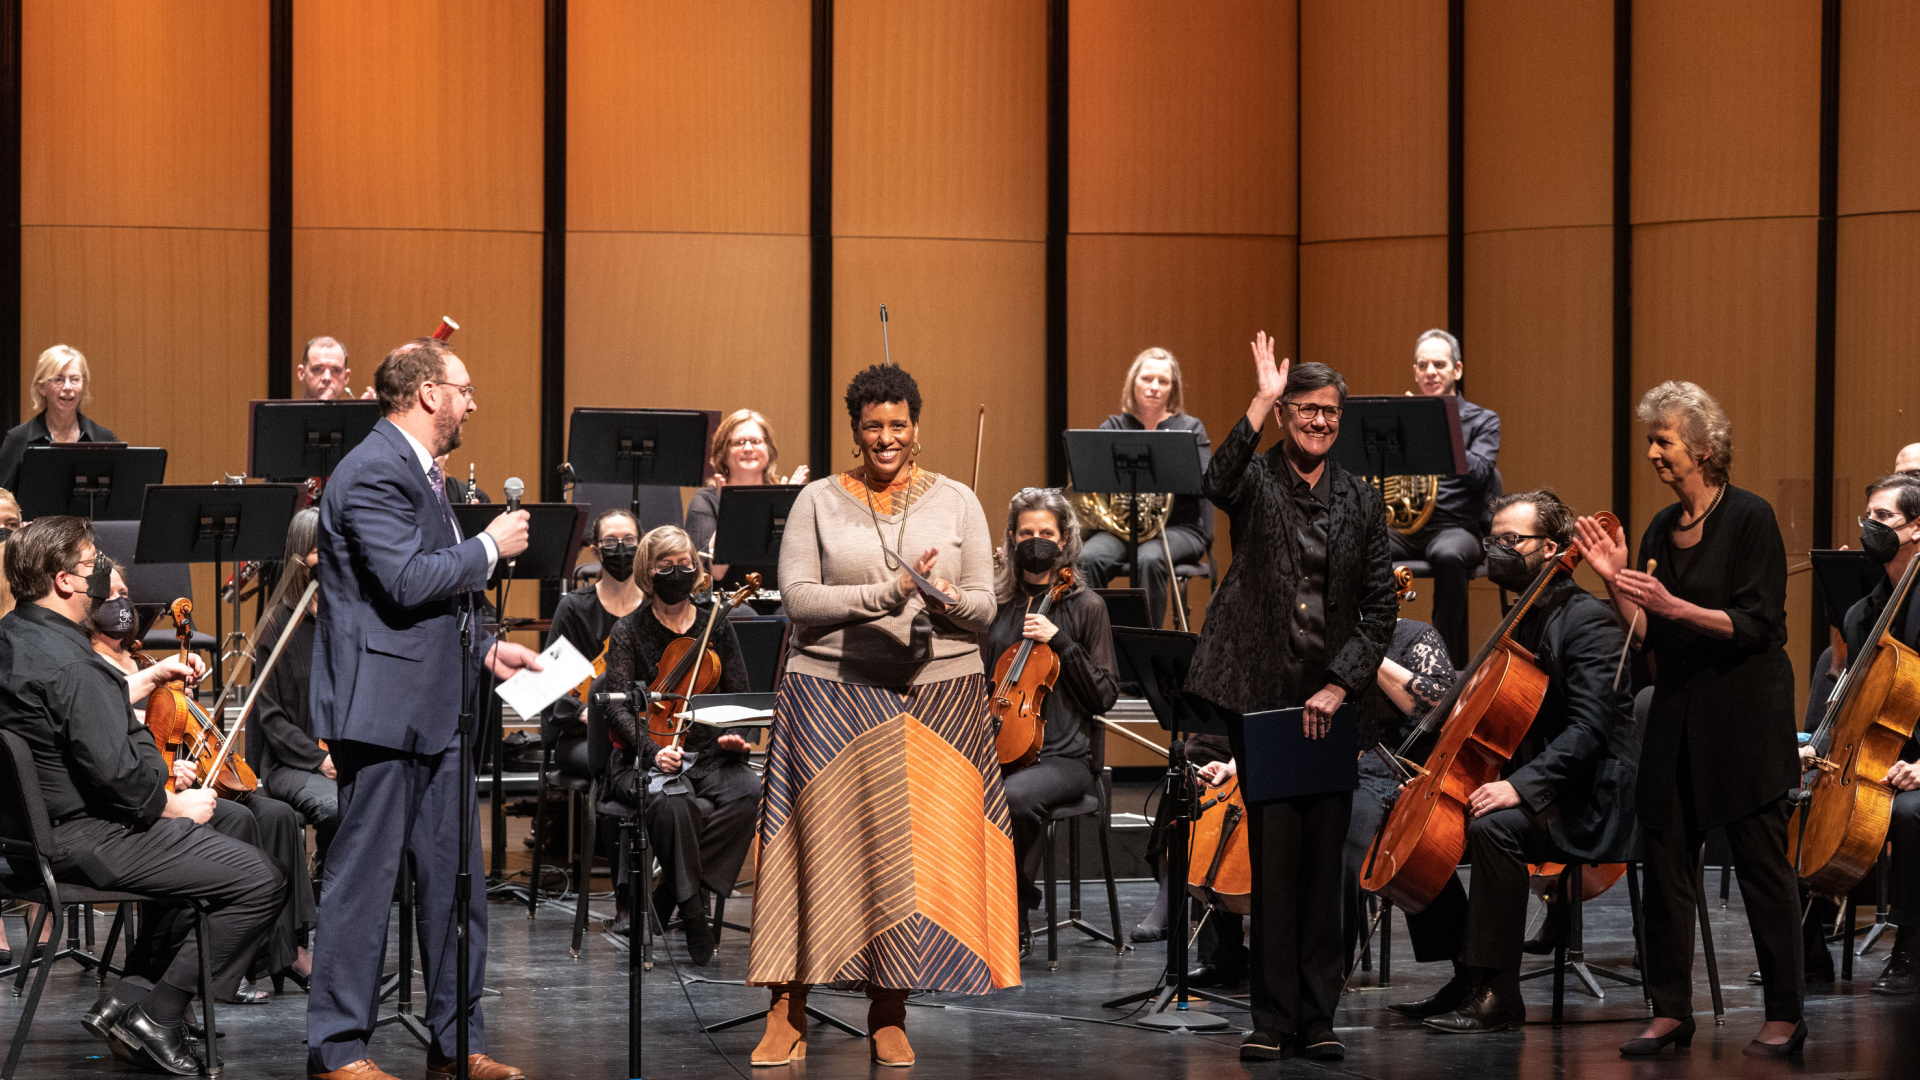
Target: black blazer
column 1575, row 768
column 34, row 433
column 1248, row 627
column 1727, row 704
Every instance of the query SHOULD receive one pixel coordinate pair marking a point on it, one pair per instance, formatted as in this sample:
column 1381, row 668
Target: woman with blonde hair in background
column 61, row 385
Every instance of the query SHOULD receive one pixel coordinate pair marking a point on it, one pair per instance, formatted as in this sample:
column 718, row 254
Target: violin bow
column 260, row 681
column 979, row 440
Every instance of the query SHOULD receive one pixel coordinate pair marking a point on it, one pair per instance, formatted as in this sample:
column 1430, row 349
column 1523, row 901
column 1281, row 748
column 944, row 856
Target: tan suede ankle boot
column 887, row 1026
column 786, row 1037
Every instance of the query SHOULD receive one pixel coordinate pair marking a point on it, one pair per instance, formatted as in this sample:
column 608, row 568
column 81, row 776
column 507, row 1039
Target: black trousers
column 1501, row 844
column 1769, row 890
column 1905, row 834
column 1453, row 552
column 180, row 860
column 1295, row 976
column 1105, row 557
column 701, row 835
column 1032, row 795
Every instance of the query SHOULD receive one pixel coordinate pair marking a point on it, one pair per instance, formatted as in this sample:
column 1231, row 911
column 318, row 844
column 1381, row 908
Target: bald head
column 1908, row 459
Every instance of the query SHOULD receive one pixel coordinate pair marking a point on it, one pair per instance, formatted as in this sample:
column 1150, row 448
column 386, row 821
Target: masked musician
column 1302, row 619
column 105, row 786
column 1042, row 537
column 1153, row 399
column 742, row 455
column 1566, row 794
column 59, row 389
column 586, row 617
column 1450, row 540
column 701, row 826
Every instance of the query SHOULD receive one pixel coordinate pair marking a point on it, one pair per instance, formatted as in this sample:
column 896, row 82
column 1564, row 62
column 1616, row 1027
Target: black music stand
column 1382, row 436
column 216, row 523
column 1104, row 461
column 553, row 542
column 102, row 481
column 1160, row 659
column 751, row 523
column 1846, row 578
column 301, row 440
column 638, row 446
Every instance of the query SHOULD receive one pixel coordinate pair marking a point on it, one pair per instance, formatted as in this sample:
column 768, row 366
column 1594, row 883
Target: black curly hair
column 880, row 384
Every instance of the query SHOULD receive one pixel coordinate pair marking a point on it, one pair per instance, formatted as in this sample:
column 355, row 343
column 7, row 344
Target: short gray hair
column 1308, row 377
column 1437, row 334
column 1698, row 418
column 1053, row 501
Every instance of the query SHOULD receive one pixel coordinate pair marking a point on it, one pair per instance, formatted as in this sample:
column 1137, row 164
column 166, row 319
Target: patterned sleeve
column 1425, row 655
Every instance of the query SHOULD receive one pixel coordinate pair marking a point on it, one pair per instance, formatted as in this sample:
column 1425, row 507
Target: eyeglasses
column 67, row 380
column 1308, row 410
column 1507, row 540
column 466, row 389
column 745, row 441
column 1889, row 520
column 88, row 563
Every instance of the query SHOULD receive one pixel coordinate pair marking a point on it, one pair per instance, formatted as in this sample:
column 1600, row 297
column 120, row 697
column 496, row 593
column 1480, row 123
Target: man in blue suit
column 396, row 579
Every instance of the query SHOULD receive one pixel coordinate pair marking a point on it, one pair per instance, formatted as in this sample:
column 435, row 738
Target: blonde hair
column 722, row 435
column 660, row 543
column 50, row 364
column 1175, row 399
column 1701, row 422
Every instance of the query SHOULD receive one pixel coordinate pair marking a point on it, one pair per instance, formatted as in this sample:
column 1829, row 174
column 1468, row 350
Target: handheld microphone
column 513, row 489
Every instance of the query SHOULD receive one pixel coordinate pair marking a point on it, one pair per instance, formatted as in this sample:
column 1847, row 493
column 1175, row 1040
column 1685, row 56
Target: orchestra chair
column 26, row 834
column 1097, row 804
column 1185, row 572
column 1570, row 954
column 1882, row 907
column 151, row 584
column 563, row 765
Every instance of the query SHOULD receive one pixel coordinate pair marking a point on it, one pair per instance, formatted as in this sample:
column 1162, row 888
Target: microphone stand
column 463, row 881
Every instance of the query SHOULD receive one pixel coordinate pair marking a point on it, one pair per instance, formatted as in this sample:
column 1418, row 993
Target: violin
column 1022, row 679
column 1840, row 826
column 180, row 728
column 1486, row 714
column 689, row 669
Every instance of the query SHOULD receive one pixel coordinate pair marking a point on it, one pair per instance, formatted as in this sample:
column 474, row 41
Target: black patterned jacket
column 1245, row 653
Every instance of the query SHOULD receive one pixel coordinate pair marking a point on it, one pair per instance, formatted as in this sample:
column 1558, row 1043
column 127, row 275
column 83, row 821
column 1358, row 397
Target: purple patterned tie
column 439, row 481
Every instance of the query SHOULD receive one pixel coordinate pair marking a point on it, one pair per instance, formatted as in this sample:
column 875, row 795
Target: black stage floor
column 560, row 1017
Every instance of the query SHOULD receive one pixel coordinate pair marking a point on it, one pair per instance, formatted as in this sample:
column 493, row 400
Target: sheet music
column 530, row 691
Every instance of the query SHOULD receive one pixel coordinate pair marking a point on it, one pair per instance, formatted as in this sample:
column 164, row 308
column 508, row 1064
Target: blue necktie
column 439, row 481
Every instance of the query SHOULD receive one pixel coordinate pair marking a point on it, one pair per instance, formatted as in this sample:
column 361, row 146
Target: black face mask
column 113, row 617
column 1036, row 554
column 672, row 585
column 1880, row 542
column 100, row 584
column 6, row 534
column 617, row 560
column 1508, row 569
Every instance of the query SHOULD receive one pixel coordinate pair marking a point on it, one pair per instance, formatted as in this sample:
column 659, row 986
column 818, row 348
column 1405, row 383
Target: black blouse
column 35, row 433
column 1089, row 680
column 282, row 716
column 583, row 620
column 633, row 655
column 1726, row 705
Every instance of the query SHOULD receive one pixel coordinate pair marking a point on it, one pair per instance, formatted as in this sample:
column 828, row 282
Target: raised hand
column 1605, row 550
column 1270, row 380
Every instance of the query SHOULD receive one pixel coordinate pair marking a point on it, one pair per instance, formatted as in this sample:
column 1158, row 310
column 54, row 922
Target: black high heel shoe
column 1680, row 1038
column 1792, row 1046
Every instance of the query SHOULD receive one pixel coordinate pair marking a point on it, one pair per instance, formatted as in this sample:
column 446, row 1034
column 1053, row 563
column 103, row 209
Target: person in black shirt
column 115, row 824
column 1450, row 540
column 586, row 617
column 1302, row 618
column 59, row 389
column 742, row 455
column 1153, row 400
column 1042, row 537
column 290, row 762
column 1709, row 601
column 701, row 795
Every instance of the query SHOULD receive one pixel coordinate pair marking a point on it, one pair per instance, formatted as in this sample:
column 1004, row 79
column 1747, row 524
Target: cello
column 1840, row 826
column 688, row 670
column 1486, row 714
column 1022, row 679
column 179, row 728
column 1219, row 870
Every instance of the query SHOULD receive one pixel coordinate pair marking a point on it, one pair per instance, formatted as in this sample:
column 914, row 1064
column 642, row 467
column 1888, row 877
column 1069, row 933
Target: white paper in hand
column 530, row 691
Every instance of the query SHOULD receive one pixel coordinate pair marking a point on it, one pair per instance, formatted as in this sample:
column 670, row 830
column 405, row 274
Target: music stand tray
column 103, row 481
column 554, row 532
column 300, row 440
column 1108, row 461
column 1401, row 436
column 638, row 446
column 751, row 524
column 1159, row 659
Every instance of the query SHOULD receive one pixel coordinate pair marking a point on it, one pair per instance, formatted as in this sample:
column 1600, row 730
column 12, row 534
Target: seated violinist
column 1042, row 538
column 105, row 785
column 1567, row 793
column 699, row 792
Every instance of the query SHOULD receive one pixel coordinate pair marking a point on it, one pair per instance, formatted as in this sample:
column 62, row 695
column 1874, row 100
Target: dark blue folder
column 1282, row 762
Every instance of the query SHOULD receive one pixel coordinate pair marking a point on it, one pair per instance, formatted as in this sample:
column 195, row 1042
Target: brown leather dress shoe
column 364, row 1069
column 479, row 1067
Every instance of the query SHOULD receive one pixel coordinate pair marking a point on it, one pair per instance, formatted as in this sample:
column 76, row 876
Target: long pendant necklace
column 893, row 558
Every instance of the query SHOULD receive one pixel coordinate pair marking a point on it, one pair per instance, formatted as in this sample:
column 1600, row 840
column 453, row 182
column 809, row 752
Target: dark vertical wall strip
column 1457, row 167
column 553, row 258
column 1056, row 300
column 1826, row 299
column 820, row 232
column 10, row 211
column 1623, row 399
column 280, row 200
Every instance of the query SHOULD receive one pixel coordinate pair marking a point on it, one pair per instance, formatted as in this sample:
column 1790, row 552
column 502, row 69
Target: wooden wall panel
column 1183, row 117
column 939, row 125
column 1373, row 121
column 1877, row 397
column 966, row 322
column 417, row 114
column 688, row 115
column 1726, row 110
column 691, row 321
column 1879, row 107
column 1363, row 302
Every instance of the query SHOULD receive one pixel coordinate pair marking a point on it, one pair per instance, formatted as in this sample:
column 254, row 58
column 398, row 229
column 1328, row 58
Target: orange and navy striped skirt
column 886, row 854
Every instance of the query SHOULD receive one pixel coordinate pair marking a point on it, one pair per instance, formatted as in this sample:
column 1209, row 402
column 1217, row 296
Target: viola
column 1485, row 715
column 689, row 669
column 1840, row 826
column 180, row 728
column 1022, row 679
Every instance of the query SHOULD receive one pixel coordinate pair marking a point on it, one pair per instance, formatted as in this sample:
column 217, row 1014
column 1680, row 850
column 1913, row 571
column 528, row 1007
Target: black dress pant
column 179, row 860
column 1501, row 844
column 1296, row 973
column 1769, row 890
column 273, row 827
column 1905, row 834
column 1105, row 557
column 700, row 829
column 1033, row 793
column 1453, row 552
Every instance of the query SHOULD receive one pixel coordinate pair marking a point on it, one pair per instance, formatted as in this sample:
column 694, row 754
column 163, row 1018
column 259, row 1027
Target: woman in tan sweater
column 886, row 854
